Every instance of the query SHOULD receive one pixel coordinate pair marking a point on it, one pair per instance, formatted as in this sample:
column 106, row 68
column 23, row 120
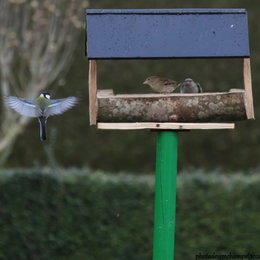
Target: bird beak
column 145, row 82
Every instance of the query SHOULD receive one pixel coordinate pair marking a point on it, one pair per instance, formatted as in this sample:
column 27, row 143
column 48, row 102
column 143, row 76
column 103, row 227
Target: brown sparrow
column 161, row 85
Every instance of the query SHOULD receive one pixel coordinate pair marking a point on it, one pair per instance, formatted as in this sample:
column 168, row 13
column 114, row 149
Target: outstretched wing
column 58, row 106
column 22, row 106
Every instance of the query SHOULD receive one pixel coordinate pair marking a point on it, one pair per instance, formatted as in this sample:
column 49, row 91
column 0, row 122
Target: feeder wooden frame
column 204, row 33
column 94, row 96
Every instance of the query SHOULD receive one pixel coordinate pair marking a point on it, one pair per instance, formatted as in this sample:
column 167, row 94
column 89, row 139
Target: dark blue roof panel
column 166, row 33
column 166, row 11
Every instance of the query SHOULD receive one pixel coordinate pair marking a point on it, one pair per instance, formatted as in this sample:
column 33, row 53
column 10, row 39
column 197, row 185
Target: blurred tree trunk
column 37, row 42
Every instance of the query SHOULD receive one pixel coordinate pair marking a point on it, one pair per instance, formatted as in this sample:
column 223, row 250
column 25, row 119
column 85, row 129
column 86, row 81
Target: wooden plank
column 169, row 126
column 105, row 92
column 195, row 108
column 167, row 33
column 92, row 92
column 248, row 89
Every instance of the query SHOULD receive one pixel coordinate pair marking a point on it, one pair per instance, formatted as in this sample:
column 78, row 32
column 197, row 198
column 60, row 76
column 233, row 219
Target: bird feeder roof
column 166, row 33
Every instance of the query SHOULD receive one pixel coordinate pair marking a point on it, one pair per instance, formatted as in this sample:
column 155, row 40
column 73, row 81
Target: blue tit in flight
column 41, row 107
column 189, row 86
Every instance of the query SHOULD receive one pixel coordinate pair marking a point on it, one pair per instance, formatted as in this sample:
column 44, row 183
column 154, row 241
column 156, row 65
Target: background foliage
column 73, row 214
column 76, row 214
column 38, row 39
column 77, row 144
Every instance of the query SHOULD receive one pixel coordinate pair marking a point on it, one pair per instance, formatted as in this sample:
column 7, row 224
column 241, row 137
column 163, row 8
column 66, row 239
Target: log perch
column 203, row 107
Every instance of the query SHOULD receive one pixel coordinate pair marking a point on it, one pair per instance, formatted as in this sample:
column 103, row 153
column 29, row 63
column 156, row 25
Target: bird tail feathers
column 42, row 121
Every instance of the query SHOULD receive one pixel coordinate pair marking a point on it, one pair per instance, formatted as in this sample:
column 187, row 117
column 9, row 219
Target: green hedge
column 77, row 215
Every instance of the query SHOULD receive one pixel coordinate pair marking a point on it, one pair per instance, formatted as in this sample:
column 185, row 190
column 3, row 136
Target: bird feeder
column 168, row 34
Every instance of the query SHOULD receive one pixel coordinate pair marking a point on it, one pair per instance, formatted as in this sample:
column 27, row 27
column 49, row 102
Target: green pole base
column 165, row 195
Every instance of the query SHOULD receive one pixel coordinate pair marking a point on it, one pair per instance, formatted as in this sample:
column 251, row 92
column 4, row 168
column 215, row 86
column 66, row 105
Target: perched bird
column 189, row 86
column 161, row 85
column 41, row 107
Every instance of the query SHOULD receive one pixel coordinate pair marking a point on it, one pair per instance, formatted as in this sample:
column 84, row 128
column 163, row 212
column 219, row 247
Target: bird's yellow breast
column 42, row 102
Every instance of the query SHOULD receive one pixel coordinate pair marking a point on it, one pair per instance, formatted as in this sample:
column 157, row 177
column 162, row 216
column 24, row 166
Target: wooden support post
column 92, row 79
column 165, row 195
column 248, row 89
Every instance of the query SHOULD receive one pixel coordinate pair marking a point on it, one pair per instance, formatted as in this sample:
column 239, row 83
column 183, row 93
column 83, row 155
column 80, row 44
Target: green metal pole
column 165, row 195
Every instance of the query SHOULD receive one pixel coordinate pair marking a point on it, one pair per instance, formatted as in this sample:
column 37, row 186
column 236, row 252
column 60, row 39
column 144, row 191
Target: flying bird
column 161, row 85
column 41, row 107
column 189, row 86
